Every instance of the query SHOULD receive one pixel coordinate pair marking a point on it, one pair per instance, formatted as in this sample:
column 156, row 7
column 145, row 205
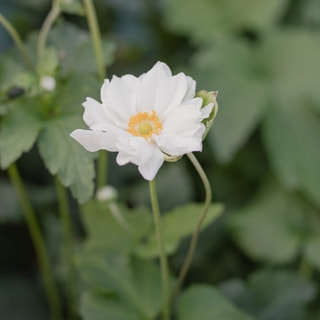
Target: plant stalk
column 195, row 235
column 163, row 258
column 102, row 72
column 47, row 25
column 68, row 247
column 17, row 40
column 96, row 37
column 38, row 242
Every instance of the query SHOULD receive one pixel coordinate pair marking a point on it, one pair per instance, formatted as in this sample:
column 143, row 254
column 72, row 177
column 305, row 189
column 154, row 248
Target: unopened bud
column 107, row 194
column 207, row 99
column 48, row 83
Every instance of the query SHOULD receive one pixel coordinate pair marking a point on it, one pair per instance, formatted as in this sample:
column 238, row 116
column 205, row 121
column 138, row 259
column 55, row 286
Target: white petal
column 184, row 118
column 121, row 97
column 123, row 158
column 94, row 140
column 176, row 145
column 170, row 93
column 150, row 168
column 191, row 89
column 93, row 112
column 149, row 84
column 103, row 90
column 205, row 111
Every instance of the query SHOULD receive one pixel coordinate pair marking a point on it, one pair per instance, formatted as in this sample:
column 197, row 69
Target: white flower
column 145, row 119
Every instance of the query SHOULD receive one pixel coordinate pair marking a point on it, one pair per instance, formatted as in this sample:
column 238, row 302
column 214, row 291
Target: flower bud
column 48, row 83
column 208, row 98
column 107, row 194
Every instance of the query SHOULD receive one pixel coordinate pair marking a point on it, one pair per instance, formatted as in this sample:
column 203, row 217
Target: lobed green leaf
column 19, row 129
column 178, row 224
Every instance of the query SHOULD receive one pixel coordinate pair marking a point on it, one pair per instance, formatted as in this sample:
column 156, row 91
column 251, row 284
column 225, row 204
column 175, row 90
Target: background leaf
column 77, row 55
column 203, row 302
column 95, row 306
column 105, row 232
column 134, row 283
column 186, row 217
column 61, row 154
column 232, row 68
column 272, row 295
column 273, row 228
column 19, row 129
column 217, row 18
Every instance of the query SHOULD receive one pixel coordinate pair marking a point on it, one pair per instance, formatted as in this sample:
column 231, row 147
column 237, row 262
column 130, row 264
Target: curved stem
column 196, row 232
column 163, row 258
column 46, row 26
column 67, row 246
column 38, row 243
column 102, row 72
column 17, row 40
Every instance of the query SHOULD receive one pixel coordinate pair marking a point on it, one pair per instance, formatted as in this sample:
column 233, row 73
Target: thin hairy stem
column 47, row 25
column 163, row 257
column 195, row 235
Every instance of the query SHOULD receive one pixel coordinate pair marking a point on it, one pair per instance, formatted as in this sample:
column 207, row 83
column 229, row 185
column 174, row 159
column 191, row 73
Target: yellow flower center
column 144, row 124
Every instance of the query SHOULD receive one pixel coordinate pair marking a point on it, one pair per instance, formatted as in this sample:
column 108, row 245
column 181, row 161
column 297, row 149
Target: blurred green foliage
column 262, row 157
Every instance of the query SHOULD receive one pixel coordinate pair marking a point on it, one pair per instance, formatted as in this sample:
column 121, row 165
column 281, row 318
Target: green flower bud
column 208, row 98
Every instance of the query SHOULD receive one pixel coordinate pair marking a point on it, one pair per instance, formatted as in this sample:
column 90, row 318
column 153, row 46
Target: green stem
column 38, row 243
column 96, row 37
column 102, row 169
column 17, row 40
column 46, row 26
column 196, row 232
column 67, row 246
column 163, row 258
column 102, row 72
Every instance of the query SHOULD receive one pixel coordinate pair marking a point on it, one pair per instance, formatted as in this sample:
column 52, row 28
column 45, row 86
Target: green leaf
column 272, row 295
column 203, row 302
column 174, row 176
column 270, row 228
column 217, row 18
column 66, row 158
column 75, row 50
column 289, row 135
column 232, row 70
column 95, row 306
column 178, row 224
column 291, row 61
column 72, row 7
column 48, row 62
column 134, row 283
column 292, row 121
column 19, row 129
column 62, row 155
column 114, row 227
column 9, row 68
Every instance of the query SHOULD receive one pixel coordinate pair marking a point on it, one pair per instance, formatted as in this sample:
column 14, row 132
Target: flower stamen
column 144, row 125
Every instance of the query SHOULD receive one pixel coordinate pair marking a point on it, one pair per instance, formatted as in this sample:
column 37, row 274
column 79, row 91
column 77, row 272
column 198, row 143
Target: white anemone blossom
column 145, row 119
